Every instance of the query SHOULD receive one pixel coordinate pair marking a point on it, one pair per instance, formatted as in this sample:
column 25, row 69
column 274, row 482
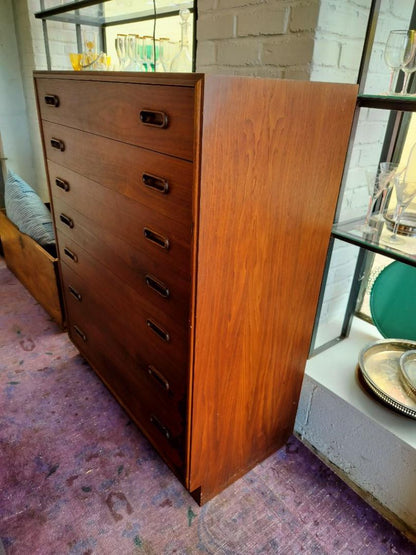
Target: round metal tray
column 407, row 364
column 407, row 225
column 379, row 368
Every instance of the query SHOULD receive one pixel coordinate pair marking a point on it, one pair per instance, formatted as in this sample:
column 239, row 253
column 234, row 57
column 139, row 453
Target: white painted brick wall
column 252, row 37
column 338, row 44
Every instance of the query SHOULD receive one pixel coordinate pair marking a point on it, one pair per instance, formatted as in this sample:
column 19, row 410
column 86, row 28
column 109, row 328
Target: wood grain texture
column 124, row 314
column 113, row 109
column 127, row 382
column 249, row 220
column 33, row 266
column 272, row 158
column 120, row 167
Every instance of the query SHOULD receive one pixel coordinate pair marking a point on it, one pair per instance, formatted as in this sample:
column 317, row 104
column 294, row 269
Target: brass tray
column 407, row 364
column 379, row 368
column 407, row 225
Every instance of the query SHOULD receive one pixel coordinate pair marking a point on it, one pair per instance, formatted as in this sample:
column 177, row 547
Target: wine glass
column 387, row 171
column 393, row 54
column 408, row 65
column 149, row 53
column 405, row 193
column 161, row 59
column 374, row 191
column 121, row 49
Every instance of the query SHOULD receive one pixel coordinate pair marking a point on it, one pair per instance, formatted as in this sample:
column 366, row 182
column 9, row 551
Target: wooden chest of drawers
column 193, row 215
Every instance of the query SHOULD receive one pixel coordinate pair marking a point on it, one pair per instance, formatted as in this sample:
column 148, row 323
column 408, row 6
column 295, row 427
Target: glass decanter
column 182, row 61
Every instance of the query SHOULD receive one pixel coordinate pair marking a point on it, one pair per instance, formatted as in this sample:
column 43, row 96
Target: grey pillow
column 26, row 210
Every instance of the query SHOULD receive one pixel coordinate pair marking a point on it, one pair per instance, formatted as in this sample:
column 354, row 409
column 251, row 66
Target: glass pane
column 392, row 16
column 337, row 289
column 339, row 40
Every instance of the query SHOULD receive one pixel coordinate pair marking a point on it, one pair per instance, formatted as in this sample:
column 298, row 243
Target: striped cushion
column 27, row 211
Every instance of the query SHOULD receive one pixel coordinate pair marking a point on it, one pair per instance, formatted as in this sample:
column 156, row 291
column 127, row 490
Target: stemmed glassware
column 405, row 193
column 121, row 49
column 388, row 170
column 393, row 54
column 374, row 191
column 400, row 53
column 161, row 64
column 408, row 65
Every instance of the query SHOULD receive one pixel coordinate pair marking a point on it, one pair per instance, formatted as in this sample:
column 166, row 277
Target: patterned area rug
column 77, row 477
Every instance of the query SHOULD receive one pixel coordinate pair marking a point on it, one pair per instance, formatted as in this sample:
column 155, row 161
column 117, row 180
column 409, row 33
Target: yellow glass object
column 75, row 61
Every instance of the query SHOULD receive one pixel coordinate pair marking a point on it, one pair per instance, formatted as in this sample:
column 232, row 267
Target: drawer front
column 144, row 332
column 163, row 183
column 157, row 117
column 122, row 216
column 166, row 364
column 166, row 297
column 148, row 248
column 162, row 420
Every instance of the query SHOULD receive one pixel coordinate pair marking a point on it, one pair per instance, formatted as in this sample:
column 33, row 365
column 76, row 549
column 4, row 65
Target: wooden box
column 33, row 266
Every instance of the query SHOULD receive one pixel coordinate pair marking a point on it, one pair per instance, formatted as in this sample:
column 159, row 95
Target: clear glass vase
column 182, row 61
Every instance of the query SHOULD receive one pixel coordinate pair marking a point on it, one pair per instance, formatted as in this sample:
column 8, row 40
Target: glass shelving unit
column 108, row 14
column 394, row 113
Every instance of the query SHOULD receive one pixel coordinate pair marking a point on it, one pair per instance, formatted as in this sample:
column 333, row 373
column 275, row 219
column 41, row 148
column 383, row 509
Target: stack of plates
column 388, row 369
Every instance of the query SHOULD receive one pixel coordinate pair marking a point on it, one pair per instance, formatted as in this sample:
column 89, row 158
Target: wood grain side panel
column 273, row 153
column 113, row 110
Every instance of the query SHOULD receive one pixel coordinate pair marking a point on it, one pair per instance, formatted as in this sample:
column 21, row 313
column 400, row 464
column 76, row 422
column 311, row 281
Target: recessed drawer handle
column 156, row 375
column 156, row 238
column 80, row 333
column 160, row 332
column 158, row 424
column 52, row 100
column 157, row 286
column 66, row 220
column 62, row 184
column 75, row 293
column 154, row 118
column 157, row 183
column 58, row 144
column 71, row 254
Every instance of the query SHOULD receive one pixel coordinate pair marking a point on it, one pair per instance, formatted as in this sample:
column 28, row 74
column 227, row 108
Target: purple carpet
column 77, row 477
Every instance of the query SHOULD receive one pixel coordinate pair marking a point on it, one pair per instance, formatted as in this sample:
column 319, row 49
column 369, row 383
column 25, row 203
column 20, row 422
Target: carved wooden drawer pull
column 71, row 254
column 75, row 293
column 157, row 286
column 52, row 100
column 156, row 183
column 58, row 144
column 80, row 333
column 156, row 238
column 162, row 429
column 66, row 220
column 158, row 377
column 160, row 332
column 62, row 184
column 154, row 118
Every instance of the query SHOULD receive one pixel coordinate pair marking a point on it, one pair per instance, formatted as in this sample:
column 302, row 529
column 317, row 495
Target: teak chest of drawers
column 193, row 215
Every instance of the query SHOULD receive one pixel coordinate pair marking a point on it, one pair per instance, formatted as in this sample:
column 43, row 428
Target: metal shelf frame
column 393, row 141
column 71, row 12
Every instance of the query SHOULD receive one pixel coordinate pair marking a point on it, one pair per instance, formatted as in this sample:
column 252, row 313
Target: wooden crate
column 34, row 267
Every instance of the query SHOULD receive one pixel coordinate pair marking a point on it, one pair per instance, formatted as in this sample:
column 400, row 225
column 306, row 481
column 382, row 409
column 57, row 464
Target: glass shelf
column 376, row 241
column 104, row 13
column 386, row 102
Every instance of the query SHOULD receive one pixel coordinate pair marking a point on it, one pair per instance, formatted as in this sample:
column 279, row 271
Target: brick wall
column 251, row 37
